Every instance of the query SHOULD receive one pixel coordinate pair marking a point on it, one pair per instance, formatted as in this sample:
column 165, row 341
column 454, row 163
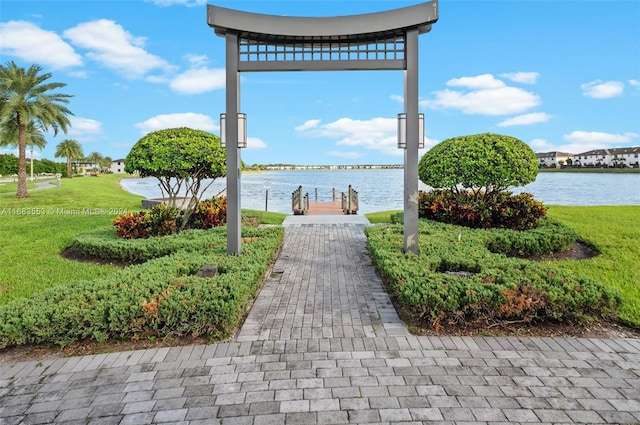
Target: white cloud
column 189, row 119
column 522, row 77
column 603, row 139
column 484, row 81
column 188, row 3
column 255, row 143
column 397, row 98
column 31, row 43
column 308, row 125
column 541, row 145
column 110, row 45
column 195, row 81
column 485, row 95
column 634, row 83
column 602, row 90
column 526, row 119
column 377, row 134
column 84, row 129
column 197, row 61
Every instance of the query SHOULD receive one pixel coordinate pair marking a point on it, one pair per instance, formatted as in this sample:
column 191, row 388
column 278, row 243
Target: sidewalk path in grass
column 322, row 344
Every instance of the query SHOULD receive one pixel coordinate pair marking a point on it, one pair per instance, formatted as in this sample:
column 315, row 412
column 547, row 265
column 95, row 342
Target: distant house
column 82, row 168
column 552, row 159
column 117, row 166
column 608, row 158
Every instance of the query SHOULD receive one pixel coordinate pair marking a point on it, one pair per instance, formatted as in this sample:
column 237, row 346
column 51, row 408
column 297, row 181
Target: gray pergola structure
column 375, row 41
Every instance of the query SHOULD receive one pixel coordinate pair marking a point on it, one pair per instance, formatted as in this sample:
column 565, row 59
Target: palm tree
column 96, row 159
column 25, row 96
column 69, row 149
column 106, row 164
column 35, row 138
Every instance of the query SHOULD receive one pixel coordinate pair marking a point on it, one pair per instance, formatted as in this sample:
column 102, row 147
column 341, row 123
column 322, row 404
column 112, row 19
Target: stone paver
column 322, row 344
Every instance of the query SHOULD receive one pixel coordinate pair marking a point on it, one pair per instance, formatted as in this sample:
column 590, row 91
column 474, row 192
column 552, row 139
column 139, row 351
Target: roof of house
column 552, row 154
column 611, row 151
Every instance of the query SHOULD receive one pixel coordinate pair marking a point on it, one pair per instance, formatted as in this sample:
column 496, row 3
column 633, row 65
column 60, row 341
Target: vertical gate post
column 411, row 151
column 233, row 152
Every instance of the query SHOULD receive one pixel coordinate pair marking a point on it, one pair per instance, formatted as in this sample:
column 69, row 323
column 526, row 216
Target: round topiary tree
column 181, row 159
column 483, row 163
column 471, row 175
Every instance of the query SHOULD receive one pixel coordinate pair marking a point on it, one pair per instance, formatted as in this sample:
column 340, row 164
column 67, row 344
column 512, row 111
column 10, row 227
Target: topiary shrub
column 183, row 160
column 472, row 175
column 480, row 163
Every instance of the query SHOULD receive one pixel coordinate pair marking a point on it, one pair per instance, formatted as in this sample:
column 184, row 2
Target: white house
column 613, row 157
column 117, row 166
column 552, row 159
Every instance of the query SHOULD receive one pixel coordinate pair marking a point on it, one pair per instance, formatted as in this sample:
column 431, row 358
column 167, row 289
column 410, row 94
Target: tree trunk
column 22, row 160
column 69, row 167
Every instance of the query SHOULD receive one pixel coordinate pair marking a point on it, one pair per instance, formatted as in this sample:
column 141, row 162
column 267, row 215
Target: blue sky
column 559, row 75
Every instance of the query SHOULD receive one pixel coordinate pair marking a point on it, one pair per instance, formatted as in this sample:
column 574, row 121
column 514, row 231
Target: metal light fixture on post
column 242, row 130
column 402, row 131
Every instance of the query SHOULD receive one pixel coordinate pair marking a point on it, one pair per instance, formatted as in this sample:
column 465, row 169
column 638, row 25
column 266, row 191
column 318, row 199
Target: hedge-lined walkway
column 323, row 285
column 322, row 345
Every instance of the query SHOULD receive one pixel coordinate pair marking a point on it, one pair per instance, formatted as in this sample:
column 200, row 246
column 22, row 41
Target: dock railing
column 299, row 202
column 347, row 205
column 350, row 201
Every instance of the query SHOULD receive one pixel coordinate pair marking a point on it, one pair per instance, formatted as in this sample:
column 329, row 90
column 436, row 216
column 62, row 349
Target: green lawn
column 615, row 231
column 34, row 231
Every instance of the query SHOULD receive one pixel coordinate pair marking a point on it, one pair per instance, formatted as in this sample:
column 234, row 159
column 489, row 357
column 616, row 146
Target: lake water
column 382, row 190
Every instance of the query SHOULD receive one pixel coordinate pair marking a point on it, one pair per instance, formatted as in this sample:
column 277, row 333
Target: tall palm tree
column 26, row 96
column 96, row 159
column 70, row 149
column 35, row 137
column 9, row 134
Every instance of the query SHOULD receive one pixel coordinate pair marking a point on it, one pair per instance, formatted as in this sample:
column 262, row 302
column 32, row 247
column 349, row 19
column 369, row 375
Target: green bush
column 162, row 220
column 500, row 210
column 159, row 298
column 549, row 237
column 397, row 218
column 456, row 279
column 483, row 163
column 210, row 213
column 102, row 243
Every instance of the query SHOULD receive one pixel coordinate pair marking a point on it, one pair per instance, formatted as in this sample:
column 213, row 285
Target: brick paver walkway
column 322, row 345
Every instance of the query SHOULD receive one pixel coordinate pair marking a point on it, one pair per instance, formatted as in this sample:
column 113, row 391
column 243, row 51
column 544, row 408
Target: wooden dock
column 346, row 205
column 325, row 208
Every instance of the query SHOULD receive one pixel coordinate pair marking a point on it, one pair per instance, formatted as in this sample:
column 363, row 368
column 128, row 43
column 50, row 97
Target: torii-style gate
column 374, row 41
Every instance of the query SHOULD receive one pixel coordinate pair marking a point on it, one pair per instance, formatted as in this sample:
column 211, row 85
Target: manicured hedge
column 159, row 298
column 550, row 236
column 455, row 278
column 103, row 243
